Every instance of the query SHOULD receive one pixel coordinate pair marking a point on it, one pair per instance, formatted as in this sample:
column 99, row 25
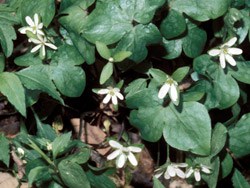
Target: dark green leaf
column 80, row 157
column 226, row 165
column 173, row 48
column 2, row 62
column 40, row 173
column 11, row 87
column 106, row 73
column 239, row 180
column 5, row 150
column 157, row 183
column 60, row 143
column 100, row 180
column 27, row 60
column 241, row 72
column 135, row 86
column 7, row 34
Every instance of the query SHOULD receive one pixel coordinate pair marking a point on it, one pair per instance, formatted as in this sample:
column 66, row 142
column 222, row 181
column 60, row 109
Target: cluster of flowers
column 36, row 35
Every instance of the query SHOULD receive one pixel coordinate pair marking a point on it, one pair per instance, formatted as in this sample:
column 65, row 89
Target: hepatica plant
column 123, row 93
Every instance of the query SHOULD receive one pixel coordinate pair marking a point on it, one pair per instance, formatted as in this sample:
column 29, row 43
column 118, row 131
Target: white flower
column 111, row 93
column 226, row 53
column 122, row 153
column 41, row 43
column 172, row 170
column 34, row 26
column 20, row 152
column 197, row 171
column 49, row 146
column 171, row 87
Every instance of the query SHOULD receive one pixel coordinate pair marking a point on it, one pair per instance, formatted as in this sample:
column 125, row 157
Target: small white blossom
column 49, row 146
column 41, row 42
column 225, row 53
column 122, row 153
column 111, row 93
column 20, row 152
column 197, row 171
column 34, row 26
column 172, row 170
column 171, row 87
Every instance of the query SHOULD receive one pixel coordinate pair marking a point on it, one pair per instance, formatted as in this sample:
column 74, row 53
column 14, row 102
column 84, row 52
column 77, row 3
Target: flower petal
column 230, row 60
column 234, row 51
column 40, row 26
column 52, row 46
column 164, row 90
column 214, row 52
column 119, row 95
column 103, row 91
column 36, row 48
column 120, row 161
column 113, row 155
column 231, row 42
column 180, row 173
column 23, row 30
column 114, row 100
column 189, row 172
column 174, row 94
column 158, row 173
column 171, row 171
column 43, row 51
column 182, row 165
column 134, row 149
column 132, row 159
column 115, row 144
column 36, row 19
column 40, row 32
column 106, row 99
column 205, row 169
column 197, row 175
column 29, row 21
column 166, row 175
column 222, row 61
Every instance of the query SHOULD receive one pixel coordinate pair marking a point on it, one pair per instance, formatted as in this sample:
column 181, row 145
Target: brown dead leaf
column 8, row 181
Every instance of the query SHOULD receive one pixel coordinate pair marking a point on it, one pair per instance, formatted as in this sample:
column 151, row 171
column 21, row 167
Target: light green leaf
column 11, row 87
column 2, row 62
column 135, row 86
column 239, row 137
column 106, row 73
column 103, row 50
column 80, row 157
column 28, row 59
column 173, row 25
column 173, row 48
column 226, row 165
column 73, row 175
column 7, row 34
column 157, row 183
column 120, row 56
column 60, row 143
column 5, row 150
column 40, row 173
column 158, row 75
column 239, row 181
column 34, row 79
column 180, row 73
column 45, row 9
column 241, row 72
column 201, row 10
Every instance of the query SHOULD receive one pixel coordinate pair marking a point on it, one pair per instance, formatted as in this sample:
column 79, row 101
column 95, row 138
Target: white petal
column 158, row 174
column 234, row 51
column 29, row 21
column 197, row 175
column 182, row 165
column 43, row 51
column 115, row 144
column 36, row 19
column 205, row 169
column 23, row 30
column 119, row 95
column 103, row 91
column 51, row 46
column 120, row 161
column 171, row 171
column 36, row 48
column 180, row 173
column 134, row 149
column 214, row 52
column 132, row 159
column 35, row 41
column 174, row 94
column 163, row 91
column 189, row 172
column 40, row 26
column 113, row 155
column 230, row 60
column 166, row 175
column 222, row 61
column 231, row 42
column 40, row 32
column 106, row 99
column 114, row 100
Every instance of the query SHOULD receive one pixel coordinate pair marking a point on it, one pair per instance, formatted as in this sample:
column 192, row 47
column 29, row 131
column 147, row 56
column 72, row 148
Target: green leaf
column 120, row 56
column 173, row 25
column 180, row 73
column 28, row 59
column 5, row 150
column 103, row 50
column 241, row 72
column 32, row 78
column 135, row 86
column 60, row 143
column 219, row 137
column 72, row 175
column 157, row 183
column 40, row 173
column 239, row 180
column 100, row 180
column 80, row 157
column 201, row 10
column 173, row 48
column 177, row 125
column 2, row 62
column 11, row 87
column 158, row 75
column 226, row 165
column 45, row 9
column 7, row 34
column 239, row 137
column 106, row 73
column 223, row 91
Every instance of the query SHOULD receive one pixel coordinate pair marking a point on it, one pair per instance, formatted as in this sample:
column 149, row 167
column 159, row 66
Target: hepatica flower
column 122, row 153
column 111, row 93
column 41, row 42
column 226, row 52
column 172, row 170
column 197, row 171
column 171, row 87
column 34, row 26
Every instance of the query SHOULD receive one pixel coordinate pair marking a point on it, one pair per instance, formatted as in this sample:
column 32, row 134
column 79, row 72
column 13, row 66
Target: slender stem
column 168, row 153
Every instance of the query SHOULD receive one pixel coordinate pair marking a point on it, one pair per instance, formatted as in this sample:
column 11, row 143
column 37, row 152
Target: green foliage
column 5, row 155
column 239, row 180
